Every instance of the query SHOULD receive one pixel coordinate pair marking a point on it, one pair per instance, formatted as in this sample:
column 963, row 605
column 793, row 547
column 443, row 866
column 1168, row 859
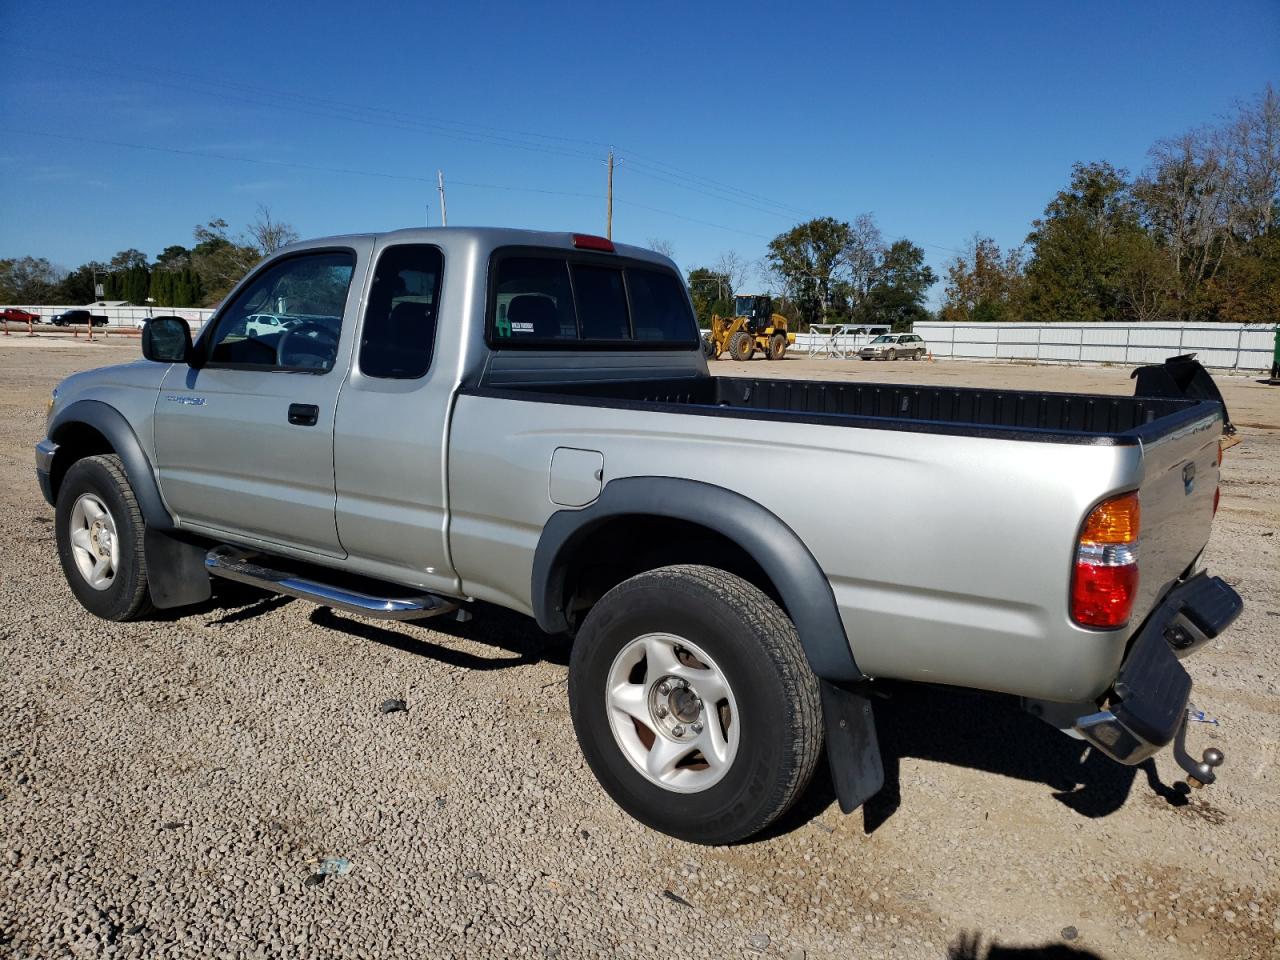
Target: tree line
column 180, row 276
column 1194, row 236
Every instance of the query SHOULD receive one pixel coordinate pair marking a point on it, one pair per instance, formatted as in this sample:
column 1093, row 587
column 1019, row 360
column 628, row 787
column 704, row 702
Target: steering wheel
column 312, row 340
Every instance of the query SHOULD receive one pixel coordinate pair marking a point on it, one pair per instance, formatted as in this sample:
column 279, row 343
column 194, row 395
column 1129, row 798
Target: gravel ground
column 175, row 787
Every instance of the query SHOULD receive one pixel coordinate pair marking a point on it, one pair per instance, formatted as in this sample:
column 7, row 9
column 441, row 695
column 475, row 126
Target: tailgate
column 1179, row 486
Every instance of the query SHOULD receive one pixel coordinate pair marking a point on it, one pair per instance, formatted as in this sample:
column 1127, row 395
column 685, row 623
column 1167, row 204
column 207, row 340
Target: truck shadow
column 491, row 626
column 982, row 732
column 992, row 733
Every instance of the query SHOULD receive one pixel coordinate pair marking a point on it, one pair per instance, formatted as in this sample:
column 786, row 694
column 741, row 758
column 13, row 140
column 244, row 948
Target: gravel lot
column 173, row 788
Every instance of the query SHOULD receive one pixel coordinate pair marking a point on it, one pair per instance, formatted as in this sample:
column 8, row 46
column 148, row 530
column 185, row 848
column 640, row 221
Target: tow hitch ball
column 1200, row 773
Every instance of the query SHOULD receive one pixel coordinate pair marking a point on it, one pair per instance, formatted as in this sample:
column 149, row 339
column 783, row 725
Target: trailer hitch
column 1200, row 773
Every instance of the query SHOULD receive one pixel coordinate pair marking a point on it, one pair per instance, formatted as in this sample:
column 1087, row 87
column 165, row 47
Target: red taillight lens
column 1105, row 583
column 588, row 241
column 1103, row 596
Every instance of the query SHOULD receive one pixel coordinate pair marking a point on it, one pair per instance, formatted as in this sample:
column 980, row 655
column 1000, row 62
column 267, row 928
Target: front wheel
column 693, row 703
column 100, row 539
column 742, row 345
column 709, row 348
column 891, row 355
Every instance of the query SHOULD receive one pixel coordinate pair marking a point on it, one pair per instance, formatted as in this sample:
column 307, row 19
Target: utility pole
column 608, row 220
column 444, row 215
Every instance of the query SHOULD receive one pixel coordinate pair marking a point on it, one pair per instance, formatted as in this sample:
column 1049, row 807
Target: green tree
column 27, row 280
column 1076, row 268
column 711, row 292
column 173, row 257
column 900, row 282
column 812, row 260
column 983, row 284
column 1247, row 288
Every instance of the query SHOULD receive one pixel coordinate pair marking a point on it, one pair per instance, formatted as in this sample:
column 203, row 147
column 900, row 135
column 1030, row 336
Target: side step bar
column 243, row 566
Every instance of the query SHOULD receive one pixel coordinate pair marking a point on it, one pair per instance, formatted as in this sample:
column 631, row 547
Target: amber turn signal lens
column 1113, row 521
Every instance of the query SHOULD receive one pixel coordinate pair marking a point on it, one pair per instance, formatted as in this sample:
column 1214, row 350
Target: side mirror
column 166, row 340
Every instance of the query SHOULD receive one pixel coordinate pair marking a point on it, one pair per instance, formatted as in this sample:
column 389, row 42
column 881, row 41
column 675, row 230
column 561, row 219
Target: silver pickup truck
column 447, row 416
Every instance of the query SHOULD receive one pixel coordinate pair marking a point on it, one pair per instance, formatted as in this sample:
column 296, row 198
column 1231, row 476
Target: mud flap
column 175, row 570
column 853, row 752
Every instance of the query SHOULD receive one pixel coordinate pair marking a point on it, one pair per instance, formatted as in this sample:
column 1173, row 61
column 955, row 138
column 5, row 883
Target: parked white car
column 892, row 346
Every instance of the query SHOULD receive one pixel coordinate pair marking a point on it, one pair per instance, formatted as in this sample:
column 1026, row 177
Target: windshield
column 882, row 339
column 743, row 306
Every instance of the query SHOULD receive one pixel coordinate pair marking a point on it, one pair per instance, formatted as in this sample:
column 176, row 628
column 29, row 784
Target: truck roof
column 488, row 237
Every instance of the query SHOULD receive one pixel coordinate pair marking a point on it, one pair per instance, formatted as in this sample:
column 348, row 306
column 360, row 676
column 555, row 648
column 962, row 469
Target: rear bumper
column 1150, row 694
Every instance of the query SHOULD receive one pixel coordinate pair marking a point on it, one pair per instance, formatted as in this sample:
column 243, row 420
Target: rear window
column 598, row 303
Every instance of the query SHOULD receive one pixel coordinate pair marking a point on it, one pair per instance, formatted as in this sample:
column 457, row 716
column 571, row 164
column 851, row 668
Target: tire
column 709, row 349
column 741, row 346
column 769, row 720
column 891, row 355
column 99, row 484
column 777, row 347
column 918, row 355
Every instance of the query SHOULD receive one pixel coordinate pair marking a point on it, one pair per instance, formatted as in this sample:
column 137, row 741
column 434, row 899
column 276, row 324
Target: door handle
column 303, row 414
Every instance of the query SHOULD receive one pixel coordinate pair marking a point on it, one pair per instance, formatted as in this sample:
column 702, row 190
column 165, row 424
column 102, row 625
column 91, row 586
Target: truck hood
column 108, row 384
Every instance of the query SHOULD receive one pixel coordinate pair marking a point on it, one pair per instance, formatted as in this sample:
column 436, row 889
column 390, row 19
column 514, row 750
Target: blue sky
column 732, row 122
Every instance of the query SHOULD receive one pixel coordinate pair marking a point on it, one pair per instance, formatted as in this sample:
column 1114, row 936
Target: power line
column 315, row 167
column 465, row 131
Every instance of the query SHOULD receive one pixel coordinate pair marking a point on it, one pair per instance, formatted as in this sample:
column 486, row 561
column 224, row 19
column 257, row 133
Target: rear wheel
column 777, row 347
column 918, row 355
column 100, row 539
column 741, row 346
column 693, row 703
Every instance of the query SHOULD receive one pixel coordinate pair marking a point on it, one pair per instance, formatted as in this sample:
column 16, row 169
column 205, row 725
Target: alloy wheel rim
column 95, row 545
column 672, row 713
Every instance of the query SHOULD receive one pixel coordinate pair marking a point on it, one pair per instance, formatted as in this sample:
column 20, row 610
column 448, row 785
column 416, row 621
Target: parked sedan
column 891, row 346
column 18, row 315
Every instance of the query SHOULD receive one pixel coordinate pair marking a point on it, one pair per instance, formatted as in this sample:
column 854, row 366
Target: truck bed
column 1009, row 414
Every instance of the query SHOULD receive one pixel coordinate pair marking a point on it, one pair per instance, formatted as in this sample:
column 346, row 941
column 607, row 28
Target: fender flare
column 110, row 422
column 774, row 546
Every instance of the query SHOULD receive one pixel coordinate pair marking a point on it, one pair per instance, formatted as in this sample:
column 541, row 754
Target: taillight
column 1106, row 575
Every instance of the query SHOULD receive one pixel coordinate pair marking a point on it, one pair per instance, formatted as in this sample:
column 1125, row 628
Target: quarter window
column 289, row 316
column 399, row 332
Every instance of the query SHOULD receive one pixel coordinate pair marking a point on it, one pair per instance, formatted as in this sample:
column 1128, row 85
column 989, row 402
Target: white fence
column 1229, row 346
column 121, row 316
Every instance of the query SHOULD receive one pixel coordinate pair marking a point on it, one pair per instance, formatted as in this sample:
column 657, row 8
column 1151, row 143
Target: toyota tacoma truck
column 455, row 416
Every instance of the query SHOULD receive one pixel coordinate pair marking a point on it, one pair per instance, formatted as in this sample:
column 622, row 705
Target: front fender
column 775, row 547
column 111, row 424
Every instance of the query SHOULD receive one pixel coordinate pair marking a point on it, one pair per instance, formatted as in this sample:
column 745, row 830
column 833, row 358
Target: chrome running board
column 245, row 566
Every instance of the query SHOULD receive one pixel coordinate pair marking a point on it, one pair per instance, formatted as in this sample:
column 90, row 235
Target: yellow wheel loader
column 753, row 327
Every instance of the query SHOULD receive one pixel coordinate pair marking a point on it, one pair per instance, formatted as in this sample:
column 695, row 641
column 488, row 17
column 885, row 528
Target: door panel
column 244, row 445
column 230, row 460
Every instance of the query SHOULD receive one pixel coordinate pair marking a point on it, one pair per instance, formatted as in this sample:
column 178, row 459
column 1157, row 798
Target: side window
column 602, row 303
column 399, row 330
column 534, row 301
column 661, row 311
column 289, row 316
